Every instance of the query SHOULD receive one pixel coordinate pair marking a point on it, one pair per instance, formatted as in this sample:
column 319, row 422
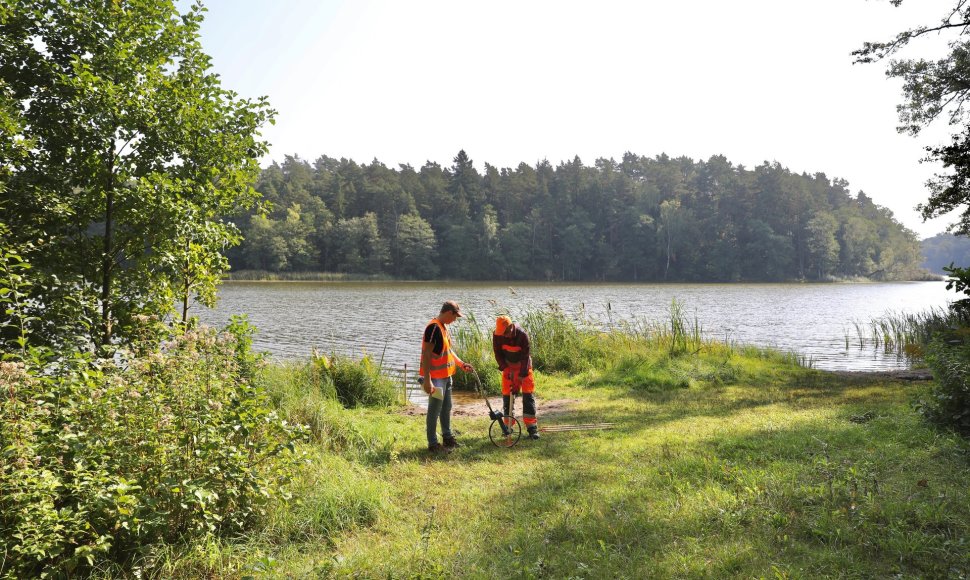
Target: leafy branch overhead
column 137, row 152
column 932, row 88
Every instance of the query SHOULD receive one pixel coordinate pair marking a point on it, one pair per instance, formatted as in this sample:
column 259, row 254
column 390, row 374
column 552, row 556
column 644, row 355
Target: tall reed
column 561, row 343
column 472, row 340
column 356, row 382
column 906, row 334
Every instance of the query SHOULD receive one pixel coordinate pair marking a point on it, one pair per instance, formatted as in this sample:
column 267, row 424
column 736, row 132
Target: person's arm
column 463, row 365
column 526, row 353
column 497, row 351
column 426, row 349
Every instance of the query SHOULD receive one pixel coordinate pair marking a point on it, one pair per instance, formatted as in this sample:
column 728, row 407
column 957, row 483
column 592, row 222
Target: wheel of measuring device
column 507, row 437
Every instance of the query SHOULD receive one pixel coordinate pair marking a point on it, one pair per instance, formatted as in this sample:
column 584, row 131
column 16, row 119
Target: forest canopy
column 639, row 219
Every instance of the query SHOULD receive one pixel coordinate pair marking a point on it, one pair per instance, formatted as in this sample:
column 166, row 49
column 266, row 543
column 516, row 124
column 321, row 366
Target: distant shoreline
column 267, row 276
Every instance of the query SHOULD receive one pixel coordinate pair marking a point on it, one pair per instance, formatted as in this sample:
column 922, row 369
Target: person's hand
column 427, row 387
column 467, row 368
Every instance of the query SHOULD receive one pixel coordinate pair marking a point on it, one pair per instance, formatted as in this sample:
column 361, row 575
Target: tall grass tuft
column 683, row 336
column 355, row 382
column 335, row 494
column 563, row 344
column 472, row 340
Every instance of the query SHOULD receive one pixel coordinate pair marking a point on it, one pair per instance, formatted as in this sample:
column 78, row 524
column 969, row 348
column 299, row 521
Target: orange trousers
column 511, row 381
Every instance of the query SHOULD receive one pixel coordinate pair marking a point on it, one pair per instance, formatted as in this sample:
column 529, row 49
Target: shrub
column 108, row 458
column 355, row 382
column 948, row 404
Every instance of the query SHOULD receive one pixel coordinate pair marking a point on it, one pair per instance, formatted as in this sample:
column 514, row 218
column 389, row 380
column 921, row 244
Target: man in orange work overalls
column 510, row 343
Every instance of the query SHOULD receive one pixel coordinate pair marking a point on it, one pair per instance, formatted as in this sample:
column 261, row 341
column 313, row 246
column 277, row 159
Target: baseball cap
column 451, row 306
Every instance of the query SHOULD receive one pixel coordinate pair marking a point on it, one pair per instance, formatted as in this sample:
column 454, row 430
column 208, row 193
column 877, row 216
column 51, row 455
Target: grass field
column 723, row 463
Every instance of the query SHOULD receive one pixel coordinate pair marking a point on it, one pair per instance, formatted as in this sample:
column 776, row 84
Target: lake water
column 386, row 319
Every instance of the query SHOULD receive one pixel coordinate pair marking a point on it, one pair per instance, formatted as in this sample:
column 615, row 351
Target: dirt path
column 467, row 405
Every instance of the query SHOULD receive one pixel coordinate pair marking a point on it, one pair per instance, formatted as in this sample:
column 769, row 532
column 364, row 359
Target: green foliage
column 106, row 459
column 472, row 340
column 248, row 361
column 359, row 245
column 355, row 382
column 136, row 154
column 959, row 281
column 15, row 323
column 335, row 494
column 304, row 395
column 932, row 88
column 561, row 344
column 949, row 402
column 414, row 249
column 640, row 219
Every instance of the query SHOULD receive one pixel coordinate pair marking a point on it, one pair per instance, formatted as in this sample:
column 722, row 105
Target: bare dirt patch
column 465, row 405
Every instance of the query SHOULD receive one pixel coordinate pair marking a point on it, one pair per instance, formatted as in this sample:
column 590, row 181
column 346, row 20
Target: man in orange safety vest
column 438, row 363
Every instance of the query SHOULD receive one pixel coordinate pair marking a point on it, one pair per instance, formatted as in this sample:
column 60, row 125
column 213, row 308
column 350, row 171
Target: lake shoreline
column 828, row 324
column 313, row 276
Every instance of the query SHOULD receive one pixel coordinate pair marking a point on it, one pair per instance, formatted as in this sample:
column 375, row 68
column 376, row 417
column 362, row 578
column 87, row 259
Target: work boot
column 533, row 434
column 452, row 443
column 438, row 449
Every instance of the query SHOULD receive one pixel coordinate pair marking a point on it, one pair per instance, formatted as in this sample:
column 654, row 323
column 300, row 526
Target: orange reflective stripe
column 444, row 358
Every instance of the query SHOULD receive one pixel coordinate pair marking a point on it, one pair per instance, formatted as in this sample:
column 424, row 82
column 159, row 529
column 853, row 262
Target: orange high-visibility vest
column 443, row 365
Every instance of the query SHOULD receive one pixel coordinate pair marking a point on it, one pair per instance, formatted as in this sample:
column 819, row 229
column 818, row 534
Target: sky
column 527, row 80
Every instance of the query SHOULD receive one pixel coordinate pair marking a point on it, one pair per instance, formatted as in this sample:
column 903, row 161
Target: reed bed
column 626, row 350
column 905, row 334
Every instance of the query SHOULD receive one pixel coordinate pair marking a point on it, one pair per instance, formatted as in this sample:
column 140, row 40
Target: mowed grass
column 723, row 463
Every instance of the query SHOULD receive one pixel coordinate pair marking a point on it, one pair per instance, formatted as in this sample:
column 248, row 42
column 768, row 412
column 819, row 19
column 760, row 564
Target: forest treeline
column 639, row 219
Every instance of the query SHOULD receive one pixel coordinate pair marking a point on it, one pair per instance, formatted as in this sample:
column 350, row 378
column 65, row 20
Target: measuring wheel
column 507, row 436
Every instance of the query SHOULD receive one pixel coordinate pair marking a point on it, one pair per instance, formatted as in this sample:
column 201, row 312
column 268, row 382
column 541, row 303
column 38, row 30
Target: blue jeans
column 439, row 408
